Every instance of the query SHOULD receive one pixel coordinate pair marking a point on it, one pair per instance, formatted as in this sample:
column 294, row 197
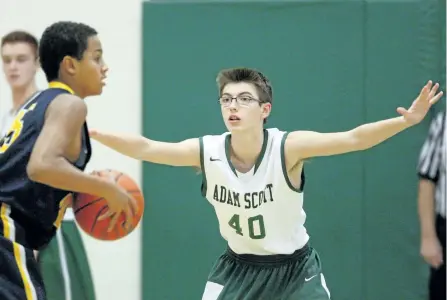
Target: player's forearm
column 59, row 173
column 134, row 146
column 372, row 134
column 426, row 209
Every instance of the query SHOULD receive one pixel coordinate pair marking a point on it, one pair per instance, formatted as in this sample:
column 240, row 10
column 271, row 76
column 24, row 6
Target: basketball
column 87, row 208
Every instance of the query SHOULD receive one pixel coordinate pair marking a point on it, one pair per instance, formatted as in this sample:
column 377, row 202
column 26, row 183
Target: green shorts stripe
column 64, row 266
column 274, row 277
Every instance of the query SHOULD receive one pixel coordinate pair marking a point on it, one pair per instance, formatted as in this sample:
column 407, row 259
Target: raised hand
column 420, row 106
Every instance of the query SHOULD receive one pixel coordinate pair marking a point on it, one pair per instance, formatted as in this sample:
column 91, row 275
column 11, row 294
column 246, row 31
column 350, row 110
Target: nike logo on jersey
column 308, row 279
column 214, row 159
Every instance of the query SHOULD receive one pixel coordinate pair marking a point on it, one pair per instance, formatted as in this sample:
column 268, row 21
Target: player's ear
column 70, row 65
column 38, row 66
column 266, row 109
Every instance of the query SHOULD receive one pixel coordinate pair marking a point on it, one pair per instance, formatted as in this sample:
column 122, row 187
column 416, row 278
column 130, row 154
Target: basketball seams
column 90, row 207
column 99, row 213
column 88, row 204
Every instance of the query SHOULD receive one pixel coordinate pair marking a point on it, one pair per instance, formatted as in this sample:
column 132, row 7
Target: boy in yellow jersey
column 43, row 155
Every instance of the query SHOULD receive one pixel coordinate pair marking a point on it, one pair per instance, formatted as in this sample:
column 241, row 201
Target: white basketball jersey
column 259, row 212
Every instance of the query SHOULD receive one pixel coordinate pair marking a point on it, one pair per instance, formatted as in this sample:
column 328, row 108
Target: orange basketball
column 87, row 208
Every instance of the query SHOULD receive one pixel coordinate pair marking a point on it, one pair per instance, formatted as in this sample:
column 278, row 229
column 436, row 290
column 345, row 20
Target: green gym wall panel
column 311, row 52
column 334, row 65
column 403, row 50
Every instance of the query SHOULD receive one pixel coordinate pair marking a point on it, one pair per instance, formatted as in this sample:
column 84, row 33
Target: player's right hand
column 431, row 251
column 119, row 201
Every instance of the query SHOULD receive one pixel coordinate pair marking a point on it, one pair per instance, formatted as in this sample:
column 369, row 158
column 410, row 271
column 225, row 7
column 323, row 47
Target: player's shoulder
column 276, row 135
column 214, row 137
column 437, row 123
column 438, row 118
column 275, row 131
column 213, row 143
column 54, row 106
column 217, row 139
column 55, row 98
column 439, row 115
column 66, row 102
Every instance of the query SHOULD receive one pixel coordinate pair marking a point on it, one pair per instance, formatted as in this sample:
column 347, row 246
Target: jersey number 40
column 254, row 233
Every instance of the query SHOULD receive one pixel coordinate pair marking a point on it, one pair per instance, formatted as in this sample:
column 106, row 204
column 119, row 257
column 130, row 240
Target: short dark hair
column 62, row 39
column 259, row 80
column 20, row 36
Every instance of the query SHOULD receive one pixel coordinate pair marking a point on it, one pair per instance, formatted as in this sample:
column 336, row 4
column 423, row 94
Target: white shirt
column 6, row 121
column 259, row 212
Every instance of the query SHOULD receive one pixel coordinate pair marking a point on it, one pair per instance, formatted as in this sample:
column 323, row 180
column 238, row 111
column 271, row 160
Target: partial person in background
column 20, row 65
column 63, row 263
column 432, row 205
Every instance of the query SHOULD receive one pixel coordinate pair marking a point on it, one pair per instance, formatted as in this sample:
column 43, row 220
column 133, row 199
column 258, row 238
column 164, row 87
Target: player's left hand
column 420, row 106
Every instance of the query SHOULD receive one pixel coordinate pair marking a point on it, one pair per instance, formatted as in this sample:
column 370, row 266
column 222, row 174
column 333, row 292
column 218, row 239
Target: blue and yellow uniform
column 30, row 212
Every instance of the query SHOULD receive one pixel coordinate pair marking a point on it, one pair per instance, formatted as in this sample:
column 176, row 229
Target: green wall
column 334, row 65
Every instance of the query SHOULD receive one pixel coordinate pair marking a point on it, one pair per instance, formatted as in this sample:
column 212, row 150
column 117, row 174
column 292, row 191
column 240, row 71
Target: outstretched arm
column 185, row 153
column 305, row 144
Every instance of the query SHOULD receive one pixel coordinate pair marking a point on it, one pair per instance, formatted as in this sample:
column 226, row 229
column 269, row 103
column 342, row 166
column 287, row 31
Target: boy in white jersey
column 254, row 179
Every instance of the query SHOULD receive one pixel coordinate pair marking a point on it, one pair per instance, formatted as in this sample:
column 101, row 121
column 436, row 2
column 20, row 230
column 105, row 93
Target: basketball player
column 44, row 153
column 20, row 64
column 254, row 179
column 63, row 262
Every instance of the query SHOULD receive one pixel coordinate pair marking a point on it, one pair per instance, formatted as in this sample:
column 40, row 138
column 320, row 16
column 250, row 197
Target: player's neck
column 67, row 84
column 246, row 146
column 20, row 95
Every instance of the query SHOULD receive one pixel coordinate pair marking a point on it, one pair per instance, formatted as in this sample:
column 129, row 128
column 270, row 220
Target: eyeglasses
column 242, row 100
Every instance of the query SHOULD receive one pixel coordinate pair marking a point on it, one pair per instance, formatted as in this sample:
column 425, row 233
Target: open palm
column 420, row 106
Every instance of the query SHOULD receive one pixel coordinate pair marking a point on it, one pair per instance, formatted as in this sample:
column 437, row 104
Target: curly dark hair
column 62, row 39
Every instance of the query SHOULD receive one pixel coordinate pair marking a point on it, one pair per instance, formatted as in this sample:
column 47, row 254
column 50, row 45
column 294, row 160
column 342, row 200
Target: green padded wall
column 403, row 51
column 334, row 65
